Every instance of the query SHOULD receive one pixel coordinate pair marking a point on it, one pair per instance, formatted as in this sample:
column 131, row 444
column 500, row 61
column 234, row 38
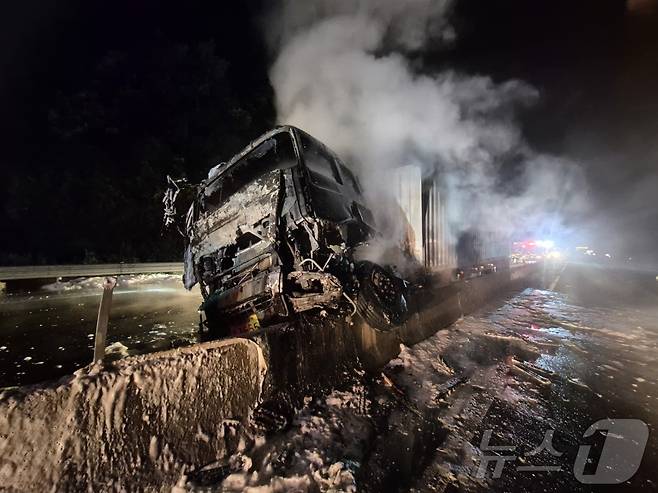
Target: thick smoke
column 343, row 73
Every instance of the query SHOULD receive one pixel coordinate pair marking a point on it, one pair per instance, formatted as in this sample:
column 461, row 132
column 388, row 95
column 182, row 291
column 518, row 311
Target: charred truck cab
column 276, row 231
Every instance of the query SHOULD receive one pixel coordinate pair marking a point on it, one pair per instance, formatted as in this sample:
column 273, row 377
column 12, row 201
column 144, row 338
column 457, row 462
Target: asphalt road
column 49, row 333
column 544, row 364
column 553, row 359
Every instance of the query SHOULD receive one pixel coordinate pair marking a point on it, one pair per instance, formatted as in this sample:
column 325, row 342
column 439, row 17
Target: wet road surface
column 552, row 359
column 535, row 369
column 49, row 333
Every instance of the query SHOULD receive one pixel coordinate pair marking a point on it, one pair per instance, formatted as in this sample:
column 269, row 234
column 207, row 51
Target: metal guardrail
column 51, row 271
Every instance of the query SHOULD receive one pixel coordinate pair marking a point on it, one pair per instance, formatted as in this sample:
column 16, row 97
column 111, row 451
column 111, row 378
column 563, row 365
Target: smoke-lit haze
column 342, row 73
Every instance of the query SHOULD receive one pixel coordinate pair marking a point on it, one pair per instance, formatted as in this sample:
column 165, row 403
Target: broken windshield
column 272, row 154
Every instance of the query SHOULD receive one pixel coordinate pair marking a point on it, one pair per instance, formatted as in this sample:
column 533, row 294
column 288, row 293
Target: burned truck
column 279, row 230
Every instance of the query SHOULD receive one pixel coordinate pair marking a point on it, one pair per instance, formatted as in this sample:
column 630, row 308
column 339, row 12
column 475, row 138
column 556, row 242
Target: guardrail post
column 103, row 318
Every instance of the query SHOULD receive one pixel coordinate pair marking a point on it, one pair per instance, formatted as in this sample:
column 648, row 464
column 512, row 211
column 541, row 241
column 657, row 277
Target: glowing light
column 554, row 255
column 548, row 244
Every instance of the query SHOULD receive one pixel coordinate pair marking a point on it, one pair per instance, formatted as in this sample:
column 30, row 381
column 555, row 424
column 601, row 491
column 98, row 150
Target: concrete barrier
column 142, row 421
column 437, row 308
column 432, row 310
column 376, row 348
column 305, row 354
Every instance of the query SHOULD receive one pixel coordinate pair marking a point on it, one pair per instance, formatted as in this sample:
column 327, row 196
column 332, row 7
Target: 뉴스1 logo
column 620, row 458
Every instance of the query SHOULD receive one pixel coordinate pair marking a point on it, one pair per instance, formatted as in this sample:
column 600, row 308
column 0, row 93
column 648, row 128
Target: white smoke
column 343, row 73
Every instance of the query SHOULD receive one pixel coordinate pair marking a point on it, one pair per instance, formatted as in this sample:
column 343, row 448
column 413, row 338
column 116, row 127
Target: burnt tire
column 381, row 300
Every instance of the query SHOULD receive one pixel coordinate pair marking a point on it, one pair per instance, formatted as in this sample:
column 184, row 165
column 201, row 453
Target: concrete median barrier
column 143, row 420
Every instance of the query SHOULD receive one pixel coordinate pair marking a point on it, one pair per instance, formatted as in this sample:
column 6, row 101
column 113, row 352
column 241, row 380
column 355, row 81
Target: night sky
column 100, row 100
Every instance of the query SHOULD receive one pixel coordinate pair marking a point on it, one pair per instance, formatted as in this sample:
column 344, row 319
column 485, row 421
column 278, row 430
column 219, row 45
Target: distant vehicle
column 277, row 231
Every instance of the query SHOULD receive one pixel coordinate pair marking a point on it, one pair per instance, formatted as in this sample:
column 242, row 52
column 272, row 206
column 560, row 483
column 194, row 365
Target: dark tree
column 93, row 192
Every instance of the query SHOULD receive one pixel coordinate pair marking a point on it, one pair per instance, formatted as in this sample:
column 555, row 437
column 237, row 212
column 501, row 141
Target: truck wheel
column 381, row 300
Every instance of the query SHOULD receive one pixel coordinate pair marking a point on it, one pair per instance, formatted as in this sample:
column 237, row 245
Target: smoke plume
column 343, row 72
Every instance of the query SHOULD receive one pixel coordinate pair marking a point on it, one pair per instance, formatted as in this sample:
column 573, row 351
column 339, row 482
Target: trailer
column 447, row 249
